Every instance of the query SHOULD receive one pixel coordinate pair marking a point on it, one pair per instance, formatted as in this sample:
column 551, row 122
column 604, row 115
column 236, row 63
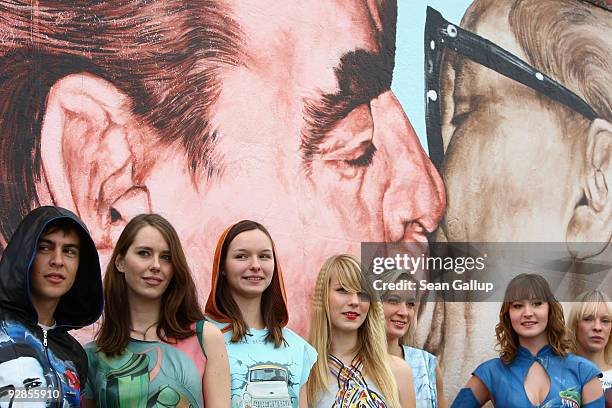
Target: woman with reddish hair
column 534, row 368
column 269, row 364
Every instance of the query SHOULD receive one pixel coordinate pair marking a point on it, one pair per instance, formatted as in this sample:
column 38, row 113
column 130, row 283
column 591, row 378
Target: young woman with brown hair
column 534, row 367
column 152, row 347
column 269, row 363
column 400, row 308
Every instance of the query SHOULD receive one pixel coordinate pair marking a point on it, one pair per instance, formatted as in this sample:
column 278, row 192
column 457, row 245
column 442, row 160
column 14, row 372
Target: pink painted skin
column 291, row 50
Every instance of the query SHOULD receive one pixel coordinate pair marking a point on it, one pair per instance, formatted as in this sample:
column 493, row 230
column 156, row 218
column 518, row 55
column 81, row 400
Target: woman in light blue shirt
column 400, row 325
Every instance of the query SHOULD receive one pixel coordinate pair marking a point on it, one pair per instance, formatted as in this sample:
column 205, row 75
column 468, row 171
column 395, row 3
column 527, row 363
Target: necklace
column 144, row 333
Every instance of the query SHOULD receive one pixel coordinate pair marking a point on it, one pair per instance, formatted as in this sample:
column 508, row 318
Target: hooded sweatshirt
column 45, row 363
column 261, row 374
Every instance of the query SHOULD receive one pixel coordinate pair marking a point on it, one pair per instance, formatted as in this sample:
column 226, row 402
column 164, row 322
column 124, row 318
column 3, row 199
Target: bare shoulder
column 400, row 367
column 212, row 335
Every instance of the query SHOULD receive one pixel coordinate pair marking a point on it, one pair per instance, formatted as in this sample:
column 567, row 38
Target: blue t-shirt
column 568, row 375
column 262, row 375
column 423, row 365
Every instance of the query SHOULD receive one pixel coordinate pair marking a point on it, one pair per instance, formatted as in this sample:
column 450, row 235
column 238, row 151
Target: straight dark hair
column 179, row 304
column 274, row 316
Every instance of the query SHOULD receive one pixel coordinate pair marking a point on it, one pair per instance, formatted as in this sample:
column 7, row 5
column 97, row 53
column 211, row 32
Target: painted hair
column 371, row 339
column 584, row 305
column 527, row 286
column 221, row 306
column 392, row 277
column 157, row 52
column 179, row 304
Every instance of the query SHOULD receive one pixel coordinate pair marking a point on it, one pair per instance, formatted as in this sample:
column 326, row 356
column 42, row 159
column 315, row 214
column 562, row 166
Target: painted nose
column 414, row 198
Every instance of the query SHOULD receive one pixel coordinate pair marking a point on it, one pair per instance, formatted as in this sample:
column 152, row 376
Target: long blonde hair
column 586, row 304
column 371, row 338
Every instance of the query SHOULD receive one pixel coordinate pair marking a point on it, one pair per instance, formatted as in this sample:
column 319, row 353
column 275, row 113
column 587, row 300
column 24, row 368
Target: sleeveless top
column 351, row 390
column 147, row 373
column 423, row 365
column 568, row 375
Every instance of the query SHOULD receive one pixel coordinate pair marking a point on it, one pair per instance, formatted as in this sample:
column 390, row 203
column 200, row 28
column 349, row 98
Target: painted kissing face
column 310, row 141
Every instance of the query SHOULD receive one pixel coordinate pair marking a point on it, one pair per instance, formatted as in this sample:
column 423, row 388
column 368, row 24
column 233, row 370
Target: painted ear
column 592, row 218
column 90, row 143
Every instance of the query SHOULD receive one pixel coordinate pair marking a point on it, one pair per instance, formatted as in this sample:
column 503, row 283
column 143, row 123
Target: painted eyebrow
column 361, row 77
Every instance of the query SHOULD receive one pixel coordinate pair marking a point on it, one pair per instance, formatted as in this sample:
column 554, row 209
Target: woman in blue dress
column 400, row 325
column 534, row 369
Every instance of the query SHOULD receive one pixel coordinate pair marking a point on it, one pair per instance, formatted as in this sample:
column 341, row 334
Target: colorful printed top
column 351, row 390
column 38, row 362
column 147, row 374
column 265, row 376
column 423, row 365
column 567, row 378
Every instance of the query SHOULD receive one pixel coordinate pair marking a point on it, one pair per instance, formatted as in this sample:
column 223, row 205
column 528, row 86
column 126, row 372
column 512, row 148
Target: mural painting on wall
column 207, row 114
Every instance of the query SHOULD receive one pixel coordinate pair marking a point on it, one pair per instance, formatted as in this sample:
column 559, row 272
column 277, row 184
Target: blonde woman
column 589, row 325
column 353, row 368
column 400, row 324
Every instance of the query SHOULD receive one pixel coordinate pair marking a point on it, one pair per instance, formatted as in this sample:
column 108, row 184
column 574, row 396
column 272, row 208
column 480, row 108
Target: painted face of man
column 310, row 141
column 508, row 143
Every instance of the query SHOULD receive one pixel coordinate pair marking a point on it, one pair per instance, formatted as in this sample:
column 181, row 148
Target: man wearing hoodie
column 49, row 283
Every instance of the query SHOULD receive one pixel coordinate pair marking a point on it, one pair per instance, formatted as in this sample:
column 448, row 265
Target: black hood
column 82, row 305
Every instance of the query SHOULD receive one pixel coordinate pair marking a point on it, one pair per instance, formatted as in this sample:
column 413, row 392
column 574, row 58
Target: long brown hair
column 179, row 303
column 527, row 286
column 221, row 305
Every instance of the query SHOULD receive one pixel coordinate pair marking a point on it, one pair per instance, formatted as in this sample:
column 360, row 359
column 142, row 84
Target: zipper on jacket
column 58, row 402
